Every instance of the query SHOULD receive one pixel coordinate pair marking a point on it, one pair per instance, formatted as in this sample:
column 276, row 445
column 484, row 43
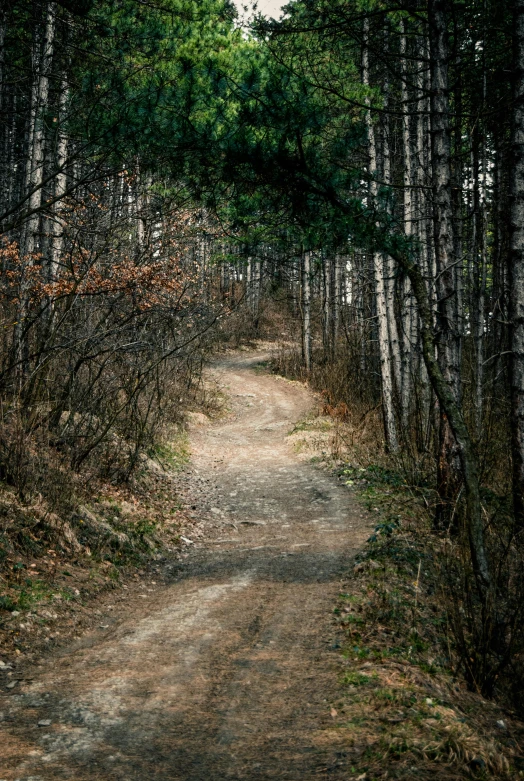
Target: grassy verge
column 404, row 709
column 403, row 703
column 88, row 535
column 53, row 567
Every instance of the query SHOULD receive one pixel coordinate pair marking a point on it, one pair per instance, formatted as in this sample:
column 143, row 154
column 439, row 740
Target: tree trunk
column 57, row 230
column 422, row 180
column 327, row 312
column 249, row 284
column 257, row 289
column 408, row 319
column 379, row 274
column 459, row 431
column 4, row 132
column 389, row 266
column 390, row 426
column 306, row 310
column 35, row 162
column 34, row 176
column 448, row 343
column 337, row 294
column 517, row 269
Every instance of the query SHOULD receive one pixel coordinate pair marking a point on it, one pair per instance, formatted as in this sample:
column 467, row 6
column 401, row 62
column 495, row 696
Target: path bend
column 227, row 671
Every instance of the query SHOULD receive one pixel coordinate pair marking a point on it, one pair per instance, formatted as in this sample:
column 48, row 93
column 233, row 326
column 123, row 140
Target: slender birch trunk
column 385, row 358
column 256, row 294
column 35, row 162
column 295, row 286
column 408, row 312
column 58, row 224
column 306, row 310
column 143, row 183
column 337, row 293
column 379, row 274
column 389, row 266
column 42, row 58
column 327, row 331
column 249, row 282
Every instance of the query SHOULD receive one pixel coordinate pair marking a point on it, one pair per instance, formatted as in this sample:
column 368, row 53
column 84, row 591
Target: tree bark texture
column 517, row 269
column 306, row 310
column 381, row 299
column 448, row 342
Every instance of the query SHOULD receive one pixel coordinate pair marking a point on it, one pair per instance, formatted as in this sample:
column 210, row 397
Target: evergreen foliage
column 364, row 155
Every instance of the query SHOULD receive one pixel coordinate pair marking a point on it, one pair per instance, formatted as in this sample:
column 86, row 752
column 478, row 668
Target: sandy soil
column 228, row 669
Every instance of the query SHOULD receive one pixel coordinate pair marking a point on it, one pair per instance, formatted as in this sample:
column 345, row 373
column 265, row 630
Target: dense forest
column 359, row 164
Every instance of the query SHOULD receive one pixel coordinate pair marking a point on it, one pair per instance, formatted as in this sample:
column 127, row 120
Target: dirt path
column 227, row 671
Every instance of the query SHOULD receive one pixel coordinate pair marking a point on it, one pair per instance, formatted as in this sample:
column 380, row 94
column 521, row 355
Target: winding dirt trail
column 227, row 670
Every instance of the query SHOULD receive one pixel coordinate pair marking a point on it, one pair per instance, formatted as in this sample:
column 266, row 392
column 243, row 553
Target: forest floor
column 226, row 663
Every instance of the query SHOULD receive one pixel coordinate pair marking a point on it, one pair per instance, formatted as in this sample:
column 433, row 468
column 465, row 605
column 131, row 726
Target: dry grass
column 404, row 710
column 53, row 565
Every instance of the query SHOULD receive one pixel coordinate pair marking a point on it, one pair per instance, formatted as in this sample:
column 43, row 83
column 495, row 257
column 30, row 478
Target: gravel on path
column 229, row 669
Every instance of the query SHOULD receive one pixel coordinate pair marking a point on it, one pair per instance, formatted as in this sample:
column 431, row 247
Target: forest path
column 227, row 670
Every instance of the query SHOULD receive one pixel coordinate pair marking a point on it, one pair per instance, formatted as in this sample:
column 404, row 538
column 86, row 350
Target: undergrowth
column 56, row 557
column 410, row 704
column 403, row 695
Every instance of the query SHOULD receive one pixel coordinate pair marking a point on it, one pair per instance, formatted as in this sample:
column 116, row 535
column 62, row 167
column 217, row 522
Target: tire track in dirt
column 227, row 671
